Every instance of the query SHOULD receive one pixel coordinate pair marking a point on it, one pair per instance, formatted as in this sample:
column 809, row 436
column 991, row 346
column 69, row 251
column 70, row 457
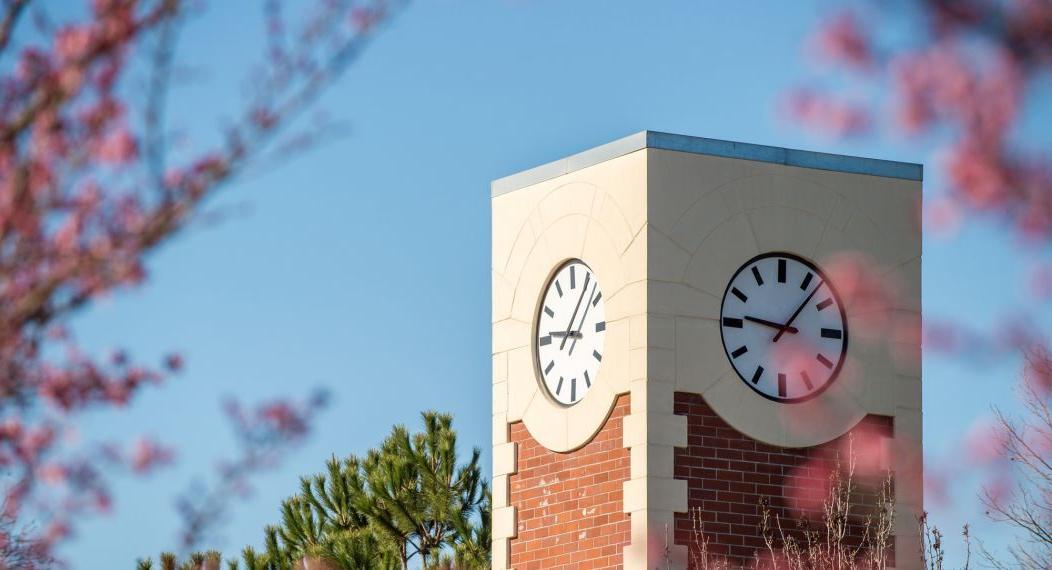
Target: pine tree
column 409, row 497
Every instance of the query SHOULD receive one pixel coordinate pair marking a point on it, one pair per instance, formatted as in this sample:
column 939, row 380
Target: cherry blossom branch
column 86, row 195
column 265, row 436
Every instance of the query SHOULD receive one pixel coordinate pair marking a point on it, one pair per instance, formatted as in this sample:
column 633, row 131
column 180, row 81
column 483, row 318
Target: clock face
column 570, row 329
column 783, row 327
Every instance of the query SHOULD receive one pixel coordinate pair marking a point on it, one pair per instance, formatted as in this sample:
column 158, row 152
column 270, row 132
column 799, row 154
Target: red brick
column 570, row 504
column 728, row 474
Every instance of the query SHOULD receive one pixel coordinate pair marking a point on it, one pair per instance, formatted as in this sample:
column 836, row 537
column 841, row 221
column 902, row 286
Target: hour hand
column 772, row 324
column 569, row 334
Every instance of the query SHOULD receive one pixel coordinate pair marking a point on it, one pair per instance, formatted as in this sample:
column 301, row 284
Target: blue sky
column 364, row 265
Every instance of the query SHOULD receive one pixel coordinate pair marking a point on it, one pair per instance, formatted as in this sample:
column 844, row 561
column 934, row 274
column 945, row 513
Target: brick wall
column 569, row 505
column 728, row 473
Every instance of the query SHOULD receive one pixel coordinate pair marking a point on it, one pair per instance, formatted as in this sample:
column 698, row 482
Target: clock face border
column 835, row 374
column 535, row 334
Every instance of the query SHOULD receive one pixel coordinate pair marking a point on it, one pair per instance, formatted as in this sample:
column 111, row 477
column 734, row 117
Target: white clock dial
column 783, row 327
column 570, row 329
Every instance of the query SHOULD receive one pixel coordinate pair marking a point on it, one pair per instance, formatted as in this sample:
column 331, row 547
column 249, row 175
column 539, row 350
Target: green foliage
column 410, row 497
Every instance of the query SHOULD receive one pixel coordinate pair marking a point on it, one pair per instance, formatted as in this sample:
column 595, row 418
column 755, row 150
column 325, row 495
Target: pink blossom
column 53, row 474
column 826, row 114
column 841, row 39
column 147, row 455
column 118, row 146
column 944, row 217
column 173, row 362
column 72, row 42
column 984, row 442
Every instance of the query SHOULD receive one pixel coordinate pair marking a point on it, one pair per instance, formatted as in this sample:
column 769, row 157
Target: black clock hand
column 772, row 324
column 584, row 316
column 798, row 309
column 573, row 317
column 573, row 334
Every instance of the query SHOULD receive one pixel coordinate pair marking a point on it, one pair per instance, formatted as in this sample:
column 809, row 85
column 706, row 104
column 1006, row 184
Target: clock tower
column 689, row 331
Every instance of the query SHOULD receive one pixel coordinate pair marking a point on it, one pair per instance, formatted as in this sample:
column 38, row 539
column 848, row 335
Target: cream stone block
column 504, row 522
column 881, row 242
column 908, row 427
column 614, row 222
column 501, row 554
column 759, row 189
column 703, row 216
column 637, row 331
column 655, row 397
column 800, row 192
column 667, row 495
column 510, row 214
column 510, row 334
column 908, row 393
column 566, row 200
column 501, row 491
column 682, row 299
column 785, row 229
column 628, row 301
column 842, row 212
column 537, row 268
column 637, row 461
column 907, row 538
column 625, row 180
column 700, row 358
column 743, row 410
column 547, row 424
column 634, row 495
column 666, row 260
column 637, row 362
column 634, row 556
column 677, row 180
column 661, row 331
column 722, row 252
column 908, row 275
column 614, row 370
column 894, row 206
column 669, row 555
column 503, row 295
column 600, row 253
column 522, row 381
column 500, row 367
column 635, row 257
column 505, row 459
column 667, row 429
column 565, row 236
column 520, row 250
column 661, row 365
column 833, row 245
column 639, row 388
column 815, row 421
column 654, row 494
column 866, row 376
column 589, row 415
column 908, row 458
column 500, row 429
column 726, row 395
column 634, row 430
column 660, row 462
column 500, row 397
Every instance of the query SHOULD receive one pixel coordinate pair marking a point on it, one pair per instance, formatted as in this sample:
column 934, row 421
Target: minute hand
column 797, row 311
column 573, row 317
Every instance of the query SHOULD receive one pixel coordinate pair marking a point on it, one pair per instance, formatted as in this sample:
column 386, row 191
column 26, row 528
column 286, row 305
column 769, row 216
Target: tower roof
column 710, row 147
